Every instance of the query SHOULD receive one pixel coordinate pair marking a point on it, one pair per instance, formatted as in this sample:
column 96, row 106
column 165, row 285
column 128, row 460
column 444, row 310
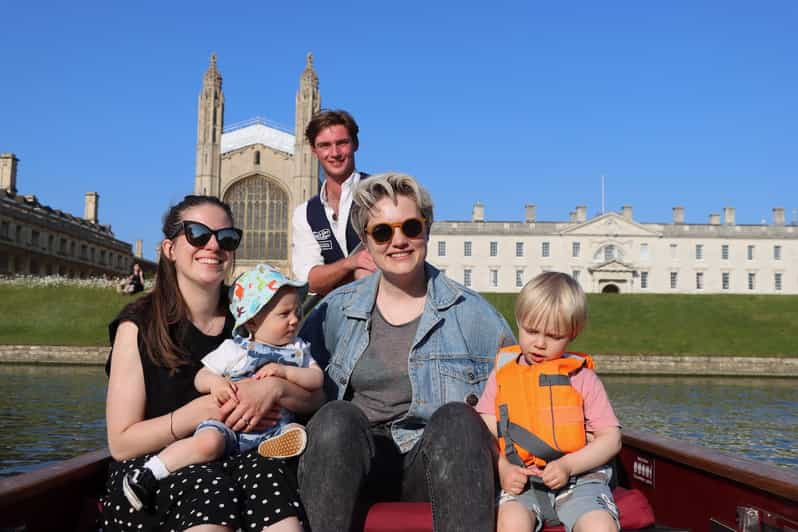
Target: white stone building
column 614, row 253
column 38, row 240
column 261, row 169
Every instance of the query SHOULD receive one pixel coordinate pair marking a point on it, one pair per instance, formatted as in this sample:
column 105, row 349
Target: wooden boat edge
column 763, row 476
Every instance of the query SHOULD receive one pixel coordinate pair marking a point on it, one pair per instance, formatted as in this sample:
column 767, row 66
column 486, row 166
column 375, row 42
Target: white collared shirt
column 305, row 251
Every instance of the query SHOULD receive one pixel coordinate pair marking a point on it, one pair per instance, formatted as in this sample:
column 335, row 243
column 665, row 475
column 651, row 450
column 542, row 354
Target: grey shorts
column 585, row 493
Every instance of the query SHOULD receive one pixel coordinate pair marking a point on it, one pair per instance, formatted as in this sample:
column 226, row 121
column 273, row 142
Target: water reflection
column 747, row 417
column 52, row 413
column 49, row 413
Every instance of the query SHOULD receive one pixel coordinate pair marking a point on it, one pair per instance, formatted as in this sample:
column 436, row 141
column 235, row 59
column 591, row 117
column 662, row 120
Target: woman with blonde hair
column 407, row 352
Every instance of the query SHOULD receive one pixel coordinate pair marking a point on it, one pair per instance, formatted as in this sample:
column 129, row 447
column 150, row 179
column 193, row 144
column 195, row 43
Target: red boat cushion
column 633, row 506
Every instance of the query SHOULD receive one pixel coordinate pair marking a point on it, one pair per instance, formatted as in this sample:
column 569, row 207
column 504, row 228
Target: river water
column 50, row 413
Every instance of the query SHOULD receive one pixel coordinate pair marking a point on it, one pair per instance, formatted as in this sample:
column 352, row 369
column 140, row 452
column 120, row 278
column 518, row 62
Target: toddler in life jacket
column 556, row 428
column 266, row 307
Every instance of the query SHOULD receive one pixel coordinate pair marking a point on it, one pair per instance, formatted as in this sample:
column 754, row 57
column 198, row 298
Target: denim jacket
column 453, row 352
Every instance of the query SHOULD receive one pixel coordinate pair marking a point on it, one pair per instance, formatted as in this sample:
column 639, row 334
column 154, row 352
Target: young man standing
column 325, row 247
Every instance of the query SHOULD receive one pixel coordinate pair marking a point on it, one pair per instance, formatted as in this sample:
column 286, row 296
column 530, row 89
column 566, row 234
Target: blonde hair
column 378, row 186
column 552, row 302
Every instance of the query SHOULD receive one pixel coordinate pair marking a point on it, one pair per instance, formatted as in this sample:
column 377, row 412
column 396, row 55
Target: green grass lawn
column 625, row 323
column 57, row 315
column 683, row 324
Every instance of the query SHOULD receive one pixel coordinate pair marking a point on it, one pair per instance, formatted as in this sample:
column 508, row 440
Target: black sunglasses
column 199, row 234
column 383, row 232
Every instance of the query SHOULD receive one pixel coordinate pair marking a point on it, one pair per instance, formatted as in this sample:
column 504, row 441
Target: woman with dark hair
column 158, row 342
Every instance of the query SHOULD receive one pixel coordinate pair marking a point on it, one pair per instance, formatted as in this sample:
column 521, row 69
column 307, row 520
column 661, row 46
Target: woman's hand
column 258, row 405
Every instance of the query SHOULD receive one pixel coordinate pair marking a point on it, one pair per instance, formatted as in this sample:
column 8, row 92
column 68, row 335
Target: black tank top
column 166, row 390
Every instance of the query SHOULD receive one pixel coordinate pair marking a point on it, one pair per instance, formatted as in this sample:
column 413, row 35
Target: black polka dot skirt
column 246, row 492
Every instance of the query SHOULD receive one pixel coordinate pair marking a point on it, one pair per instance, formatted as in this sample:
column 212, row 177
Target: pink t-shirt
column 598, row 410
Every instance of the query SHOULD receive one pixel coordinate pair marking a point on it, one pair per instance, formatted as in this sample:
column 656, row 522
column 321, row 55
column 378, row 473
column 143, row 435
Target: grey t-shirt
column 379, row 383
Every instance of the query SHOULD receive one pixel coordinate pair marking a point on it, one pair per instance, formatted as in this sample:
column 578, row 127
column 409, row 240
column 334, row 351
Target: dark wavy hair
column 328, row 118
column 168, row 312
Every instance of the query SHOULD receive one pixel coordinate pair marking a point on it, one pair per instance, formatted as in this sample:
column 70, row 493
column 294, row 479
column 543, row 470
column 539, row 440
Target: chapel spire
column 210, row 123
column 308, row 102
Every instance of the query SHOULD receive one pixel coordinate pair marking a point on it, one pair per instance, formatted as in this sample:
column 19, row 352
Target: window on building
column 644, row 251
column 674, row 279
column 519, row 249
column 441, row 248
column 777, row 252
column 699, row 280
column 72, row 249
column 50, row 242
column 724, row 281
column 699, row 252
column 724, row 251
column 750, row 252
column 608, row 253
column 674, row 250
column 18, row 235
column 84, row 251
column 519, row 278
column 260, row 207
column 102, row 256
column 575, row 275
column 494, row 278
column 4, row 263
column 467, row 277
column 91, row 254
column 643, row 280
column 751, row 280
column 576, row 249
column 4, row 230
column 62, row 247
column 467, row 248
column 494, row 248
column 33, row 267
column 545, row 249
column 257, row 157
column 777, row 281
column 34, row 238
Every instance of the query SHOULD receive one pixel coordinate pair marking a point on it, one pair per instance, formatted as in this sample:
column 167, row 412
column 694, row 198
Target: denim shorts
column 238, row 442
column 584, row 493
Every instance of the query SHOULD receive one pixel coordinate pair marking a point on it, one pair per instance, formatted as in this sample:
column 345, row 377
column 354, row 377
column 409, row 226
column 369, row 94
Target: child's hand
column 223, row 390
column 271, row 370
column 512, row 478
column 556, row 474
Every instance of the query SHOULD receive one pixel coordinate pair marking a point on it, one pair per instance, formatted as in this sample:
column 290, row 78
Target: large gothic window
column 260, row 208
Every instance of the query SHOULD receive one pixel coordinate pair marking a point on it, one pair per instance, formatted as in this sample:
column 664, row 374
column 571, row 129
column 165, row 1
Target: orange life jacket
column 540, row 415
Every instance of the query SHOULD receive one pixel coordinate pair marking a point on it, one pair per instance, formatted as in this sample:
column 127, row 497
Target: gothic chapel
column 262, row 170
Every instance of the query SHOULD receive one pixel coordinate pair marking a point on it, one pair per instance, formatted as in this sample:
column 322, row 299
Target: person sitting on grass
column 265, row 305
column 133, row 283
column 556, row 427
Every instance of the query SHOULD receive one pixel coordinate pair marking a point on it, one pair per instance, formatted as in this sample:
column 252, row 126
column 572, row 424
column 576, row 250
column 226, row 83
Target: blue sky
column 688, row 103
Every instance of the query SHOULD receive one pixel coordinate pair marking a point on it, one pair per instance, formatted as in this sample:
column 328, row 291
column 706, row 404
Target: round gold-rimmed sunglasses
column 383, row 232
column 198, row 234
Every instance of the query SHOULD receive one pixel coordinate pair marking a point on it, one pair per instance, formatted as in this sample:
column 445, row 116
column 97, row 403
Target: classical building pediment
column 609, row 225
column 612, row 266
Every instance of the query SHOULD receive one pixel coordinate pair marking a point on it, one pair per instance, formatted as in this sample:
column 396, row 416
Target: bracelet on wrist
column 172, row 424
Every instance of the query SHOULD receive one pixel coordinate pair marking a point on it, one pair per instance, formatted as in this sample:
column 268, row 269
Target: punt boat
column 663, row 485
